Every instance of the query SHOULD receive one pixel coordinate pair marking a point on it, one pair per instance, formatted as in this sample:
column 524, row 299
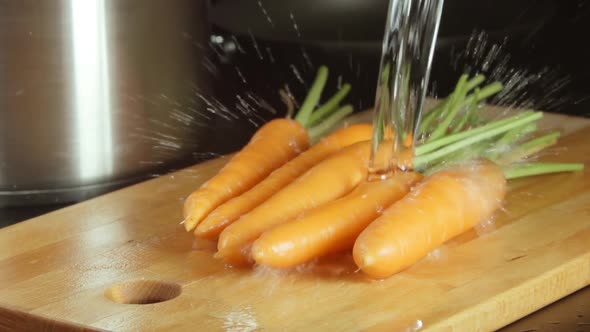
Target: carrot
column 441, row 207
column 275, row 143
column 326, row 181
column 332, row 227
column 272, row 145
column 230, row 211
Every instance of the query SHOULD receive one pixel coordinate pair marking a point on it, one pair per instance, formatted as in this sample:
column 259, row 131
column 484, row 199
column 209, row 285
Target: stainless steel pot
column 94, row 93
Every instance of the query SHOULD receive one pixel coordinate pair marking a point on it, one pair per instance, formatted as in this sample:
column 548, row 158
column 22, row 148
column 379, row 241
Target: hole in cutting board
column 143, row 292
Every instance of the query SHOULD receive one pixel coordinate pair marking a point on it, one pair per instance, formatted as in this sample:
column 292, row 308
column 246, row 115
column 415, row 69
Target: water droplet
column 295, row 25
column 297, row 74
column 255, row 44
column 265, row 13
column 242, row 78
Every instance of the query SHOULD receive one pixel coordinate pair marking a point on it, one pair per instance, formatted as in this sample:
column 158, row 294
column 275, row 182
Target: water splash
column 255, row 44
column 260, row 102
column 170, row 114
column 297, row 74
column 546, row 88
column 306, row 58
column 265, row 13
column 210, row 67
column 205, row 155
column 238, row 44
column 270, row 55
column 215, row 108
column 295, row 25
column 242, row 78
column 247, row 109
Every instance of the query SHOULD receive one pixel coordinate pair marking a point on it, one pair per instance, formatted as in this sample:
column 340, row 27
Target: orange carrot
column 332, row 227
column 441, row 207
column 330, row 179
column 273, row 144
column 233, row 209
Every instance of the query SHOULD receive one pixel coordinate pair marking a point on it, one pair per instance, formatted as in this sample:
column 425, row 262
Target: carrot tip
column 212, row 226
column 366, row 261
column 257, row 253
column 189, row 223
column 206, row 233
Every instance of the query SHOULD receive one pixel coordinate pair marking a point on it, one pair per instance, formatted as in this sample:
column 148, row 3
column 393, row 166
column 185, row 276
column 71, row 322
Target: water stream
column 408, row 47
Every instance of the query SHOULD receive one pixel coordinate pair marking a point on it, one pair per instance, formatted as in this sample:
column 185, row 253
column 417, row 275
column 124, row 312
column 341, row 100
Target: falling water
column 408, row 46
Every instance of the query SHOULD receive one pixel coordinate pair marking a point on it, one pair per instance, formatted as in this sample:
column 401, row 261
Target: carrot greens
column 455, row 130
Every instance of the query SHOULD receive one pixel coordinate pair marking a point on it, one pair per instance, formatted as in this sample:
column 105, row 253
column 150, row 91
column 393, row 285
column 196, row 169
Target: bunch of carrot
column 284, row 200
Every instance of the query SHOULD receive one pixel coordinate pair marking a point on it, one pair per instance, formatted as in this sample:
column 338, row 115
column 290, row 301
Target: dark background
column 544, row 40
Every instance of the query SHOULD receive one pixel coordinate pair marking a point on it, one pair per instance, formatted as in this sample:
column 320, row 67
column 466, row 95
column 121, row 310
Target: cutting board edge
column 22, row 320
column 568, row 274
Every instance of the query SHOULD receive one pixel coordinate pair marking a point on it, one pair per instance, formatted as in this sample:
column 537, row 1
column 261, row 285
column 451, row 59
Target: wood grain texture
column 57, row 270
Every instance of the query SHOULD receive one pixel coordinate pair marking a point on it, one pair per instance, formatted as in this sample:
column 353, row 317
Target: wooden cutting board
column 56, row 270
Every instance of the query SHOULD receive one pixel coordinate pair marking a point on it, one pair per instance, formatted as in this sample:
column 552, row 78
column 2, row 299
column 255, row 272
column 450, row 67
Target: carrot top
column 320, row 119
column 456, row 130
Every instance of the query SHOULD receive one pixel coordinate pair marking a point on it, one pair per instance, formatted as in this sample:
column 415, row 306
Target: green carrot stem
column 322, row 128
column 451, row 109
column 530, row 169
column 475, row 151
column 482, row 94
column 531, row 147
column 379, row 123
column 473, row 116
column 474, row 82
column 508, row 140
column 330, row 106
column 485, row 92
column 380, row 128
column 313, row 96
column 513, row 135
column 439, row 110
column 380, row 118
column 422, row 160
column 385, row 74
column 433, row 114
column 469, row 114
column 433, row 145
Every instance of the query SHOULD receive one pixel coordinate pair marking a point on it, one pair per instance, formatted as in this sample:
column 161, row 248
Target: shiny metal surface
column 87, row 90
